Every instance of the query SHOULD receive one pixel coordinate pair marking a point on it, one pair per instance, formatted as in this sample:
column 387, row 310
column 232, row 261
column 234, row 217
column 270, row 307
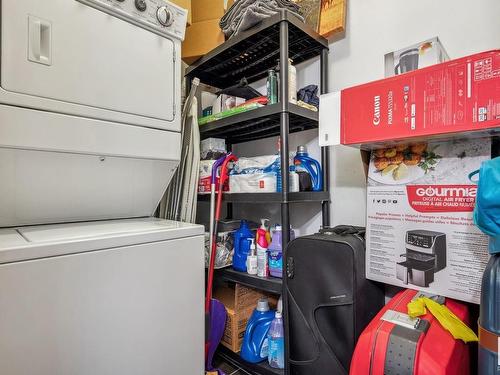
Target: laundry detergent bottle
column 303, row 162
column 275, row 252
column 489, row 319
column 242, row 240
column 276, row 340
column 255, row 346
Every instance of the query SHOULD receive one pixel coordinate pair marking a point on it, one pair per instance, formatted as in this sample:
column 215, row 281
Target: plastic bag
column 487, row 209
column 448, row 320
column 225, row 249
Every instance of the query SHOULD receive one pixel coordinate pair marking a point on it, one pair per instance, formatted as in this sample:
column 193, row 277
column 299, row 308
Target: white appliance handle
column 36, row 36
column 40, row 40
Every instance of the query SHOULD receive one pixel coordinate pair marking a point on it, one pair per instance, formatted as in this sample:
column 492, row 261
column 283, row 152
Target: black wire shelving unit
column 267, row 284
column 250, row 55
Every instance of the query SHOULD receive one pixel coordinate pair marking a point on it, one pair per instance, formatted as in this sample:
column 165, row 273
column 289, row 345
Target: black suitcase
column 330, row 301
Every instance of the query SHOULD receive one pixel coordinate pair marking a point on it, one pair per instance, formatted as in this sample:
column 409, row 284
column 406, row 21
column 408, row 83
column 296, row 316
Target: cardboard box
column 201, row 38
column 417, row 56
column 459, row 97
column 204, row 10
column 234, row 332
column 240, row 301
column 186, row 4
column 420, row 229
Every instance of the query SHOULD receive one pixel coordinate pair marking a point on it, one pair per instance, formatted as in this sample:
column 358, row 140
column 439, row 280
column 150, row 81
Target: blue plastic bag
column 487, row 210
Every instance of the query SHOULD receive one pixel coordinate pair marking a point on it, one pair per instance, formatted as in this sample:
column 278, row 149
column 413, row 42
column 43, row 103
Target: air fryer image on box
column 416, row 56
column 420, row 228
column 425, row 255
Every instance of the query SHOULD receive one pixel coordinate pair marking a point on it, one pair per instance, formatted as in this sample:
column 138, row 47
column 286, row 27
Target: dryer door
column 65, row 56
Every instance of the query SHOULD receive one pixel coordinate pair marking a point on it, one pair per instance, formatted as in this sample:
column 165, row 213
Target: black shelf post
column 325, row 152
column 284, row 130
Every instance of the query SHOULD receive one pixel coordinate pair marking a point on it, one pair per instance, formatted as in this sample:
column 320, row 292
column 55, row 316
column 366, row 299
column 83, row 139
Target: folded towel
column 244, row 14
column 309, row 95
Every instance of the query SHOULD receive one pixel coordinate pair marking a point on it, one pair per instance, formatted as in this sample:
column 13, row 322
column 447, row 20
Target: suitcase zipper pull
column 290, row 267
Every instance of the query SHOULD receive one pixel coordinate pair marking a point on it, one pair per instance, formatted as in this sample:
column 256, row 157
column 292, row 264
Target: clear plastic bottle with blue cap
column 276, row 339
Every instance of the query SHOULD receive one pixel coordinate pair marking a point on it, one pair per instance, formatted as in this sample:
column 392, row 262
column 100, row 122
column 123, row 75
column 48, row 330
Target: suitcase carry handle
column 344, row 230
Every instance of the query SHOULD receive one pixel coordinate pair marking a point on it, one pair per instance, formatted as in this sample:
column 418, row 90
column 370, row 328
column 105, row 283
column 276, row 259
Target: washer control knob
column 164, row 16
column 141, row 5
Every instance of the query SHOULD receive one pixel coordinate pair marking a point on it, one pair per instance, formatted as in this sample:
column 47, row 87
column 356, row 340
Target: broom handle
column 223, row 177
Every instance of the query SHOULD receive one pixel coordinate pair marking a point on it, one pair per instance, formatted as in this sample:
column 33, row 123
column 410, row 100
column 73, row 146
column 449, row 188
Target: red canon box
column 440, row 101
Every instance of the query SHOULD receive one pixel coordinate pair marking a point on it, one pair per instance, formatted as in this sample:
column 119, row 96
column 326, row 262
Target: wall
column 375, row 27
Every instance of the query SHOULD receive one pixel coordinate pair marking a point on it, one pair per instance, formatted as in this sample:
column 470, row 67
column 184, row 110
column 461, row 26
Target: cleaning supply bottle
column 303, row 162
column 255, row 341
column 292, row 82
column 489, row 319
column 294, row 184
column 279, row 183
column 242, row 239
column 252, row 259
column 262, row 262
column 275, row 251
column 293, row 180
column 276, row 342
column 262, row 238
column 263, row 231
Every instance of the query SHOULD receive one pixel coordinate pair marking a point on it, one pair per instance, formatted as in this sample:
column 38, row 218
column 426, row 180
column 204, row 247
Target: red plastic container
column 387, row 348
column 441, row 101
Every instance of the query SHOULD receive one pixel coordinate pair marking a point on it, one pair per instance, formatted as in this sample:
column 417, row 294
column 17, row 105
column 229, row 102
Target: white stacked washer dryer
column 90, row 113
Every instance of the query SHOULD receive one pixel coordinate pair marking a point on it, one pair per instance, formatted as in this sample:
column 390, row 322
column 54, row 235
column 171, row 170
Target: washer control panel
column 158, row 16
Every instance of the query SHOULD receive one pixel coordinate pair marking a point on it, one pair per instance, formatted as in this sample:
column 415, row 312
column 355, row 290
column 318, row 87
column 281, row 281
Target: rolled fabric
column 244, row 14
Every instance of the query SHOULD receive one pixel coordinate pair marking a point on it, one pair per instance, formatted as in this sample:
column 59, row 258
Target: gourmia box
column 420, row 231
column 457, row 96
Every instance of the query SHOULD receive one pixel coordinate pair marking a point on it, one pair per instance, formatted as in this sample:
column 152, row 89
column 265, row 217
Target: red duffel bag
column 421, row 347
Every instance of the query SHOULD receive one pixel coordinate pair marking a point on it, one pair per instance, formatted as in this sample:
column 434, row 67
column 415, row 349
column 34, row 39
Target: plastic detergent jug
column 275, row 251
column 304, row 162
column 255, row 342
column 242, row 240
column 276, row 342
column 489, row 319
